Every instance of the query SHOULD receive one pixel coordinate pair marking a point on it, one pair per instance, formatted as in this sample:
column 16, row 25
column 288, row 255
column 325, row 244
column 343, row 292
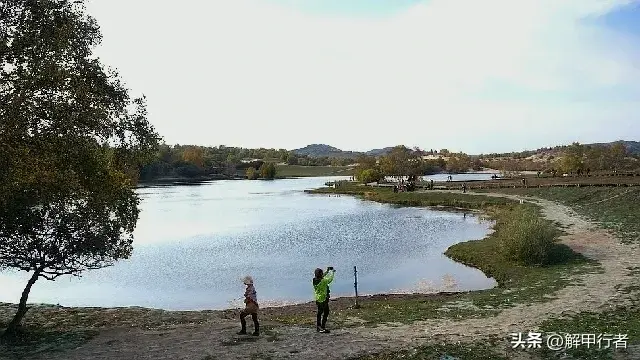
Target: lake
column 461, row 177
column 194, row 243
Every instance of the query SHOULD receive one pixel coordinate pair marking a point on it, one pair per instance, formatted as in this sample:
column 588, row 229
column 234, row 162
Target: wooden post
column 355, row 285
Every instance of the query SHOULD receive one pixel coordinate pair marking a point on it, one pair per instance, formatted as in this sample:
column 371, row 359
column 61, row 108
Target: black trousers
column 254, row 317
column 323, row 313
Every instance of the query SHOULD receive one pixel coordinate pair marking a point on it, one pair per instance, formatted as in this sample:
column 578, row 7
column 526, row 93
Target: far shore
column 297, row 174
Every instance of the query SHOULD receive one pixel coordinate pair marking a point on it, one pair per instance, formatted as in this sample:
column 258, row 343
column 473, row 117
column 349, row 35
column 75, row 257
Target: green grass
column 516, row 283
column 50, row 328
column 621, row 320
column 476, row 351
column 433, row 199
column 616, row 208
column 310, row 171
column 33, row 341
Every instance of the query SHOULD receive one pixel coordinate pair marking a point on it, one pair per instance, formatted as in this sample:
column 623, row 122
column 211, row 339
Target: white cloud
column 242, row 72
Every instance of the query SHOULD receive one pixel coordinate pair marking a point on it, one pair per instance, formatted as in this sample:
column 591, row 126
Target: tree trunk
column 14, row 325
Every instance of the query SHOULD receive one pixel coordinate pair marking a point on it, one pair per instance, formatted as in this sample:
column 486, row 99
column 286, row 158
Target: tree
column 292, row 159
column 396, row 163
column 194, row 155
column 618, row 153
column 573, row 159
column 252, row 174
column 459, row 163
column 72, row 141
column 369, row 175
column 268, row 170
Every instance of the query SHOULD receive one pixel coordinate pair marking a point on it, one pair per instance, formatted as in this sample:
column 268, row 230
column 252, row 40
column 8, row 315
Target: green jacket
column 321, row 286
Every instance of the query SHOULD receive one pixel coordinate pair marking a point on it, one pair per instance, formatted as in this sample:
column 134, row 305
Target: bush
column 268, row 171
column 526, row 238
column 189, row 171
column 369, row 175
column 252, row 174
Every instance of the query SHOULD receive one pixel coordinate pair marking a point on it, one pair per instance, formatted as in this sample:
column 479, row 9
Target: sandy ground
column 217, row 340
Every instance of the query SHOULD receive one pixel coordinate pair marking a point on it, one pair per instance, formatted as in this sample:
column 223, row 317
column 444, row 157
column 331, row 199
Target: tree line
column 189, row 161
column 572, row 158
column 575, row 158
column 402, row 161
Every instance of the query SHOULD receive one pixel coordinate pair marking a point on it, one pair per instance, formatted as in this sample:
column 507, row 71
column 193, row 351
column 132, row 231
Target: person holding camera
column 321, row 283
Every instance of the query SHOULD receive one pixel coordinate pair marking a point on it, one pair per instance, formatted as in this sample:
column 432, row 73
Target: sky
column 473, row 76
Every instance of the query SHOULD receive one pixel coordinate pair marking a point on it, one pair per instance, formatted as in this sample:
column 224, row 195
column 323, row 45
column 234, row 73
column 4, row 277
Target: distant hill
column 632, row 146
column 379, row 152
column 323, row 150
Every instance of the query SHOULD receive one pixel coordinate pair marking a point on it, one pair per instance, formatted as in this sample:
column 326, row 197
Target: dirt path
column 217, row 340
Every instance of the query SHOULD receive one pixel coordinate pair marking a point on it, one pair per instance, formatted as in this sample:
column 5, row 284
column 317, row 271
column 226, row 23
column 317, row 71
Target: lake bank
column 282, row 172
column 299, row 171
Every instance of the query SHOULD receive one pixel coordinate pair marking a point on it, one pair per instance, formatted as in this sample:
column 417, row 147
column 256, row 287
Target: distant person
column 431, row 184
column 321, row 283
column 251, row 307
column 464, row 188
column 524, row 182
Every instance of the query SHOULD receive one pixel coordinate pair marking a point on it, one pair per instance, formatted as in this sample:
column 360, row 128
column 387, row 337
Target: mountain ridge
column 324, row 150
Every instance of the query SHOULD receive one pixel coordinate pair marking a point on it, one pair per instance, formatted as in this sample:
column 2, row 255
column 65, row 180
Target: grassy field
column 310, row 171
column 434, row 199
column 616, row 209
column 533, row 181
column 484, row 351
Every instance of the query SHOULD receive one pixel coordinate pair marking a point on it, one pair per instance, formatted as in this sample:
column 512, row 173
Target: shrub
column 526, row 238
column 189, row 171
column 252, row 174
column 369, row 175
column 268, row 170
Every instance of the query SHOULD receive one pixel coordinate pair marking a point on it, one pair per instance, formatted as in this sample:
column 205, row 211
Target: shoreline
column 540, row 298
column 200, row 181
column 176, row 181
column 337, row 299
column 361, row 297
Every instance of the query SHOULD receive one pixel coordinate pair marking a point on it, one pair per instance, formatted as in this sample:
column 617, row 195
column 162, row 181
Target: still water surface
column 461, row 177
column 193, row 243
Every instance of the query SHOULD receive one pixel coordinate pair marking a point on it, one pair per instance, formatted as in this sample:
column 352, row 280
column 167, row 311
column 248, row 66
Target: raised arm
column 328, row 277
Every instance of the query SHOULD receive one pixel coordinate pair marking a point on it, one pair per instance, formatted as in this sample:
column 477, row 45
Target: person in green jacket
column 321, row 283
